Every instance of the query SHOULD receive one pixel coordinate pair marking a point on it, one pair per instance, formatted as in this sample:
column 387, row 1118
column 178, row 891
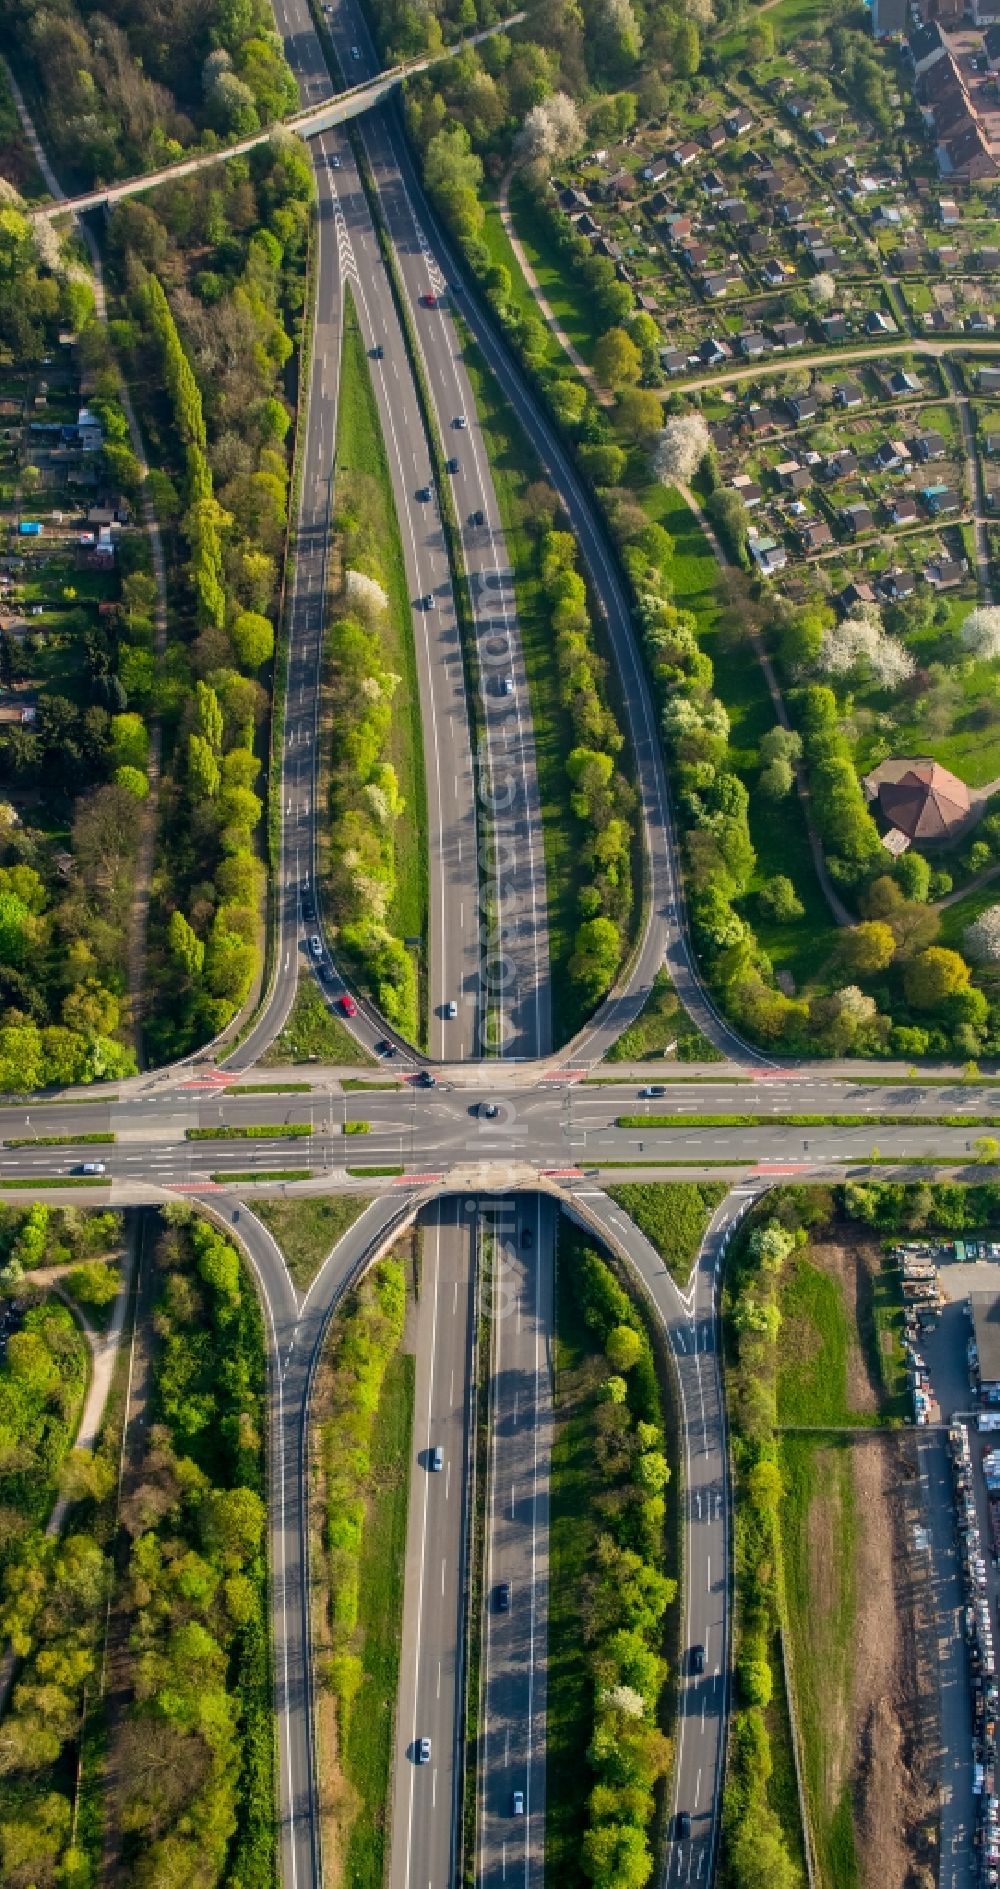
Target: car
column 355, row 52
column 475, row 518
column 430, row 601
column 347, row 1005
column 335, row 162
column 316, row 945
column 527, row 1237
column 682, row 1826
column 451, row 465
column 385, row 1048
column 489, row 1111
column 506, row 685
column 437, row 1457
column 378, row 352
column 92, row 1167
column 697, row 1659
column 503, row 1597
column 424, row 1751
column 308, row 912
column 460, row 422
column 451, row 1008
column 423, row 494
column 653, row 1088
column 426, row 1080
column 429, row 301
column 517, row 1804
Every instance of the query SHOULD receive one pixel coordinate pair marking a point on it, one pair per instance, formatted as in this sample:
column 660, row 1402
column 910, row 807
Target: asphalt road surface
column 425, row 1795
column 510, row 1844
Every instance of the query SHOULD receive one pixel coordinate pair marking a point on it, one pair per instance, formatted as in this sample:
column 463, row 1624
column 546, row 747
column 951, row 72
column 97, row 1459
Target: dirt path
column 545, row 309
column 147, row 812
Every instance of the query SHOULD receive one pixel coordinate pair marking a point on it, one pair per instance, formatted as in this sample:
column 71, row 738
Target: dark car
column 682, row 1828
column 423, row 494
column 488, row 1111
column 697, row 1659
column 451, row 465
column 527, row 1237
column 426, row 1081
column 503, row 1597
column 475, row 518
column 378, row 352
column 385, row 1048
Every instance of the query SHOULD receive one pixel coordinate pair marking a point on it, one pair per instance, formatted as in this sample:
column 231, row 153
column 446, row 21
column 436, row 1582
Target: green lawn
column 673, row 1215
column 371, row 1740
column 661, row 1022
column 565, row 298
column 817, row 1330
column 498, row 243
column 313, row 1034
column 820, row 1600
column 780, row 839
column 361, row 449
column 514, row 467
column 307, row 1230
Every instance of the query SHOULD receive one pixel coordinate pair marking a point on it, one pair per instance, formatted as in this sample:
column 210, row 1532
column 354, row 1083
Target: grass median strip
column 58, row 1141
column 266, row 1131
column 357, row 1128
column 308, row 1230
column 266, row 1174
column 673, row 1215
column 364, row 1174
column 807, row 1121
column 268, row 1088
column 41, row 1181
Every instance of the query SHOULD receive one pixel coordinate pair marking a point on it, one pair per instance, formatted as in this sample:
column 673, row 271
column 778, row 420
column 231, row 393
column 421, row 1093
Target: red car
column 429, row 301
column 348, row 1005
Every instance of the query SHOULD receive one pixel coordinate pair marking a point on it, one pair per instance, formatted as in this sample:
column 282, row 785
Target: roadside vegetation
column 376, row 875
column 364, row 1398
column 610, row 1590
column 307, row 1230
column 313, row 1034
column 52, row 1590
column 191, row 1757
column 673, row 1215
column 661, row 1028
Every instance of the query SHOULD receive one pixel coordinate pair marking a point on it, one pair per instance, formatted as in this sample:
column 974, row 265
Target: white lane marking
column 423, row 1543
column 444, row 1564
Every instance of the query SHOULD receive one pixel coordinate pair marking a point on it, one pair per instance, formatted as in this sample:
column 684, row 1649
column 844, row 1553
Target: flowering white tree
column 855, row 1003
column 624, row 1699
column 981, row 939
column 981, row 632
column 702, row 12
column 861, row 646
column 681, row 447
column 822, row 289
column 365, row 594
column 551, row 129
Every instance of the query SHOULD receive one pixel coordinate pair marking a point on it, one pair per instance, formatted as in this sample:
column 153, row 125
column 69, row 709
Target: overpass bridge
column 308, row 123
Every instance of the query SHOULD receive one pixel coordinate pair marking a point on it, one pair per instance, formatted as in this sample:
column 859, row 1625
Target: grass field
column 313, row 1034
column 662, row 1022
column 367, row 1761
column 673, row 1215
column 573, row 1527
column 570, row 307
column 818, row 1331
column 307, row 1230
column 819, row 1535
column 361, row 450
column 514, row 466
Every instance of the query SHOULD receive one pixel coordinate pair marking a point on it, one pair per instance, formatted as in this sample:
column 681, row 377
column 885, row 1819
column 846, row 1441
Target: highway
column 425, row 1802
column 511, row 1847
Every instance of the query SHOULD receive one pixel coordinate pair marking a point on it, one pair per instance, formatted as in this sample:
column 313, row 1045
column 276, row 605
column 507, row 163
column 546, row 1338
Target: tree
column 16, row 930
column 822, row 290
column 933, row 975
column 867, row 948
column 779, row 900
column 132, row 782
column 981, row 939
column 204, row 772
column 91, row 1009
column 186, row 948
column 681, row 447
column 623, row 1346
column 551, row 130
column 686, row 51
column 914, row 875
column 639, row 413
column 775, row 781
column 596, row 956
column 232, row 1524
column 980, row 632
column 617, row 360
column 253, row 639
column 986, row 1149
column 861, row 647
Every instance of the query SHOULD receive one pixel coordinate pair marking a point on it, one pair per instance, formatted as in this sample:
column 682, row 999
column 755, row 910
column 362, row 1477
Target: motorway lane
column 516, row 961
column 509, row 1847
column 425, row 1796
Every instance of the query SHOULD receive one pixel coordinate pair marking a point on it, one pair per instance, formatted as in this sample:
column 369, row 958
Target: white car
column 460, row 422
column 355, row 52
column 316, row 945
column 424, row 1751
column 518, row 1806
column 92, row 1167
column 451, row 1009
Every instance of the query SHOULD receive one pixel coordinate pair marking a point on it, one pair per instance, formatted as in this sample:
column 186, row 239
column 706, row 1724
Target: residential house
column 657, row 171
column 989, row 380
column 758, row 420
column 714, row 137
column 802, row 407
column 834, row 327
column 991, row 45
column 878, row 323
column 797, row 479
column 677, row 228
column 792, row 211
column 944, row 573
column 674, row 360
column 895, row 586
column 713, row 352
column 968, row 156
column 858, row 518
column 928, row 446
column 855, row 596
column 751, row 343
column 801, row 109
column 89, row 431
column 757, row 242
column 573, row 200
column 993, row 444
column 586, row 225
column 848, row 394
column 947, row 257
column 978, row 322
column 841, row 465
column 901, row 383
column 908, row 260
column 713, row 185
column 925, row 47
column 738, row 123
column 606, row 246
column 684, row 155
column 769, row 183
column 824, row 136
column 768, row 555
column 735, row 212
column 988, row 260
column 816, row 535
column 749, row 491
column 948, row 214
column 787, row 335
column 715, row 286
column 890, row 19
column 825, row 261
column 941, row 501
column 621, row 186
column 695, row 254
column 721, row 435
column 891, row 455
column 776, row 272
